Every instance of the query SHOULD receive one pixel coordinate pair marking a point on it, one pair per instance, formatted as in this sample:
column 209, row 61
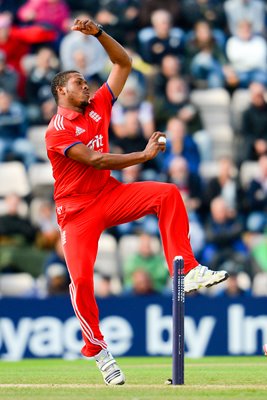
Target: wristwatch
column 100, row 27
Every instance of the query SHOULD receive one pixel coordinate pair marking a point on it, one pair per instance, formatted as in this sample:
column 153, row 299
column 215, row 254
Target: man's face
column 76, row 91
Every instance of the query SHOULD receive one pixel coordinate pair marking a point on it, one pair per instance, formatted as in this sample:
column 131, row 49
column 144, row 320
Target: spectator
column 18, row 250
column 132, row 102
column 13, row 131
column 57, row 280
column 47, row 225
column 13, row 226
column 210, row 11
column 258, row 253
column 179, row 143
column 144, row 272
column 247, row 54
column 54, row 13
column 226, row 185
column 148, row 223
column 163, row 38
column 170, row 67
column 16, row 42
column 190, row 187
column 232, row 287
column 223, row 235
column 249, row 10
column 147, row 7
column 188, row 183
column 176, row 103
column 205, row 58
column 256, row 199
column 41, row 105
column 119, row 18
column 8, row 77
column 254, row 124
column 96, row 58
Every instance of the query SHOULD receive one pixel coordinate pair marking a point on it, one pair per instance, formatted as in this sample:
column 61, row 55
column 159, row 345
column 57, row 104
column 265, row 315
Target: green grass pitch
column 205, row 378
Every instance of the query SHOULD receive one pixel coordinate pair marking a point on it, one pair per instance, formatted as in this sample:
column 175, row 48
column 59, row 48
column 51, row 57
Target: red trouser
column 83, row 219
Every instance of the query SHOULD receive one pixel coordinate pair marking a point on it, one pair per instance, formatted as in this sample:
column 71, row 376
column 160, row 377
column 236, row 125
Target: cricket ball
column 265, row 349
column 162, row 140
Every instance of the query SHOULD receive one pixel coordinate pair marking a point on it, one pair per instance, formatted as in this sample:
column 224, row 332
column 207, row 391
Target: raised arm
column 121, row 61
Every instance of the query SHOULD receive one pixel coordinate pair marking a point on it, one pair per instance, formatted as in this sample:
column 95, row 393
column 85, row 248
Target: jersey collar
column 67, row 113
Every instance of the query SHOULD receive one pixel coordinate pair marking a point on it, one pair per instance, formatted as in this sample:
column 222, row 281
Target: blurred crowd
column 199, row 75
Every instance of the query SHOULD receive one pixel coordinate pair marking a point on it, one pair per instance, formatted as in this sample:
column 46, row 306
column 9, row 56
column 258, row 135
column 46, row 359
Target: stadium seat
column 239, row 103
column 17, row 284
column 248, row 171
column 36, row 135
column 41, row 179
column 107, row 257
column 13, row 179
column 214, row 106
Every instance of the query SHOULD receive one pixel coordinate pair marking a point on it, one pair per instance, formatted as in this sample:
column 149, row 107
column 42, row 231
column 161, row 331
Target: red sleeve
column 104, row 96
column 60, row 141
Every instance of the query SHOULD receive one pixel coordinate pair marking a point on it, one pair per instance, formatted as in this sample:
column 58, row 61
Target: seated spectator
column 147, row 224
column 56, row 271
column 18, row 250
column 132, row 101
column 188, row 183
column 258, row 253
column 210, row 11
column 41, row 105
column 170, row 67
column 147, row 7
column 205, row 58
column 13, row 131
column 145, row 272
column 8, row 77
column 254, row 124
column 223, row 235
column 16, row 42
column 226, row 185
column 54, row 13
column 250, row 10
column 179, row 143
column 57, row 280
column 119, row 19
column 232, row 287
column 47, row 225
column 163, row 39
column 247, row 55
column 176, row 103
column 13, row 227
column 96, row 58
column 190, row 187
column 256, row 199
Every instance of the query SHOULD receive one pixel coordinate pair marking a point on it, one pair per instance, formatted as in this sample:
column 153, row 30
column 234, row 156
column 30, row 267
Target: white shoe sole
column 192, row 286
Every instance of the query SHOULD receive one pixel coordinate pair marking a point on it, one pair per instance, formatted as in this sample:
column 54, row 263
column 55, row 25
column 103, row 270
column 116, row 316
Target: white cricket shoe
column 111, row 372
column 200, row 277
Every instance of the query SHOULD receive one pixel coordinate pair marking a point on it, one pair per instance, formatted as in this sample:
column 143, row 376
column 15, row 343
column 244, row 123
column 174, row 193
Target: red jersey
column 68, row 128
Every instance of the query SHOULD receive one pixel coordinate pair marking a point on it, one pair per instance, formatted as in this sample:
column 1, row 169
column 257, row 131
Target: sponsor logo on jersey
column 79, row 131
column 94, row 116
column 96, row 143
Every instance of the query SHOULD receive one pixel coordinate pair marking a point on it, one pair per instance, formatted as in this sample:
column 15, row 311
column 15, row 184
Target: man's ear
column 61, row 90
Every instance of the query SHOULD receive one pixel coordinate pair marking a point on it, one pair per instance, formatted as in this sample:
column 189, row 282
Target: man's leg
column 127, row 202
column 81, row 226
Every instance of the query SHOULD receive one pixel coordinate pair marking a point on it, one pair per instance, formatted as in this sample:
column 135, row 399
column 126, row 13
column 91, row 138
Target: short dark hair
column 60, row 79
